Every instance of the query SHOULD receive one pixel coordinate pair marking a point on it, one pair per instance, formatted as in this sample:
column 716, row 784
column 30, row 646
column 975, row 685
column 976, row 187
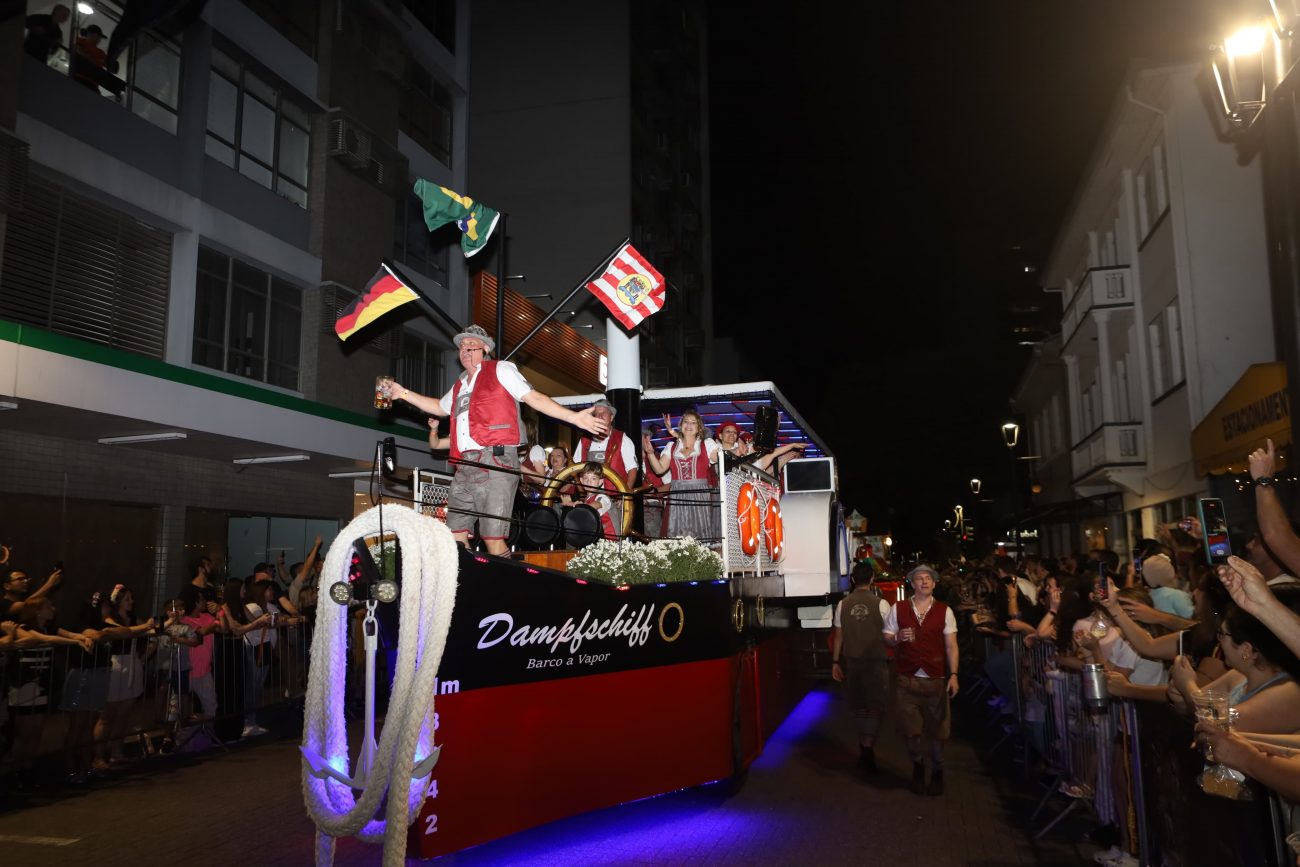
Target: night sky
column 882, row 176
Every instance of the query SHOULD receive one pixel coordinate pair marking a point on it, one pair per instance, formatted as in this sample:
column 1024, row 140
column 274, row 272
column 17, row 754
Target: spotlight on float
column 1239, row 74
column 363, row 580
column 975, row 486
column 388, row 455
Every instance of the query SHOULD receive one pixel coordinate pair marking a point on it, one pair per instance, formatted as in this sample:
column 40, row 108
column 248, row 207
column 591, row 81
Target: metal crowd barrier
column 66, row 712
column 1132, row 764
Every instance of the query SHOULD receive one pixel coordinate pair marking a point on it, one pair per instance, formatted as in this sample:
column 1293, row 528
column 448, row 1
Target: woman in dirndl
column 688, row 465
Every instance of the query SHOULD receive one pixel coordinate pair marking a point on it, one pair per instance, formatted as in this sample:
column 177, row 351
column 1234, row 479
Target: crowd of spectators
column 103, row 685
column 1216, row 644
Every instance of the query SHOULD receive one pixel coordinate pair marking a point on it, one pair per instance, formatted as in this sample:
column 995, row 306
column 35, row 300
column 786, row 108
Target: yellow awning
column 1256, row 408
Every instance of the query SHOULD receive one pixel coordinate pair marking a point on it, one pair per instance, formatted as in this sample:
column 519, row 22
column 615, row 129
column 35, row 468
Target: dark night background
column 882, row 176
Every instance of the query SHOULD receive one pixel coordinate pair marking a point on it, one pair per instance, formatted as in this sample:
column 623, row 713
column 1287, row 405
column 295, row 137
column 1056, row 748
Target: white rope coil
column 429, row 567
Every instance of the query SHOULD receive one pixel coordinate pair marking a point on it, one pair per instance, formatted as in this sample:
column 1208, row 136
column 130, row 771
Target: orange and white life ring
column 774, row 530
column 747, row 518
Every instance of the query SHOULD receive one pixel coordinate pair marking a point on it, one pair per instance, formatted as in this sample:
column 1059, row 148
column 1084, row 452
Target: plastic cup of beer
column 383, row 392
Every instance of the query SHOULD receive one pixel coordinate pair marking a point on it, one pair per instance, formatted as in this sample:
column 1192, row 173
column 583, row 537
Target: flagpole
column 595, row 272
column 501, row 286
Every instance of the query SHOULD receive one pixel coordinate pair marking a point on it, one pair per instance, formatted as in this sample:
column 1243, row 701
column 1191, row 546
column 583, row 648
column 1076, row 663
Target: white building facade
column 1162, row 265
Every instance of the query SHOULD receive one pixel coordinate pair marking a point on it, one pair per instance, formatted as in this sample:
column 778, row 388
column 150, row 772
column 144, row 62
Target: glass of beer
column 383, row 392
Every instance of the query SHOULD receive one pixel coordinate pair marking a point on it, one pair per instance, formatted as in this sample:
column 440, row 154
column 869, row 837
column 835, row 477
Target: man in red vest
column 486, row 432
column 614, row 451
column 923, row 632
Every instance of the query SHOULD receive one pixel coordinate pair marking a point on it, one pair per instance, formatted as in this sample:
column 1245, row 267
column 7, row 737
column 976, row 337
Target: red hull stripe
column 524, row 755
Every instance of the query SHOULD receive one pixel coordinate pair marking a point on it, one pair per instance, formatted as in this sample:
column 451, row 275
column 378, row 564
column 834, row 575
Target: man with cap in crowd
column 859, row 658
column 486, row 431
column 923, row 632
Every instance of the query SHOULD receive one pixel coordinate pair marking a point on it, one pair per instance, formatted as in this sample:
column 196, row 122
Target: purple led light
column 531, row 571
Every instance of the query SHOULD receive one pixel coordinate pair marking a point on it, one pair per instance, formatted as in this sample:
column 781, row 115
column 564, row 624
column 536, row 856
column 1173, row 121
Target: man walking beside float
column 859, row 657
column 923, row 632
column 486, row 431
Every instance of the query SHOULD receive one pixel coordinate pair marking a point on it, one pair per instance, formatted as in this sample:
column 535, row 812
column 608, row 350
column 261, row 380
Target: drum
column 581, row 526
column 541, row 528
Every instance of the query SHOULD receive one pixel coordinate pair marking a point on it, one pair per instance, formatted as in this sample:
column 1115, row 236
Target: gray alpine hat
column 477, row 332
column 934, row 576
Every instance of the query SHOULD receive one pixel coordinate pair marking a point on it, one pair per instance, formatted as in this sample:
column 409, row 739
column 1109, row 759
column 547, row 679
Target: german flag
column 384, row 292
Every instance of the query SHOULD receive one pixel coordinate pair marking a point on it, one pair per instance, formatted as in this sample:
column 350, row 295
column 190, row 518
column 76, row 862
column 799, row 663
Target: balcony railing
column 1111, row 445
column 1101, row 288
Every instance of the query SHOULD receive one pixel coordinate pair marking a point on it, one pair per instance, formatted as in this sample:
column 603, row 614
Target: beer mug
column 383, row 392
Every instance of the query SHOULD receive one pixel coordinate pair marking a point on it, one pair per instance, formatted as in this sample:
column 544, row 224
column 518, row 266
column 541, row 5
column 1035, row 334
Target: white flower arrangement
column 661, row 561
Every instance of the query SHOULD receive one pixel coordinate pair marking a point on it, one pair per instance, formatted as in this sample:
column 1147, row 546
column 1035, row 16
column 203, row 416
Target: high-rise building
column 180, row 228
column 590, row 124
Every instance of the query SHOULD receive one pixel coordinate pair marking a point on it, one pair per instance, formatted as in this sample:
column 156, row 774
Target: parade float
column 574, row 674
column 620, row 677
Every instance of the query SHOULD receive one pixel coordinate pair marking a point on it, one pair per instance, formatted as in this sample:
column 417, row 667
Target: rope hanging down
column 429, row 567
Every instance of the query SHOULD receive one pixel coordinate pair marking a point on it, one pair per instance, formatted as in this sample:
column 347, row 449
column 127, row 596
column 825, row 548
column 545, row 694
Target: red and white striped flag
column 630, row 287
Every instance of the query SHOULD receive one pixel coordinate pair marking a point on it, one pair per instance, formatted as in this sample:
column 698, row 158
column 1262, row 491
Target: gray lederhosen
column 482, row 491
column 866, row 664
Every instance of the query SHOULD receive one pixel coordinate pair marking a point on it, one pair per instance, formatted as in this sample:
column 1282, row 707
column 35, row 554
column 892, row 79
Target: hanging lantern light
column 1239, row 74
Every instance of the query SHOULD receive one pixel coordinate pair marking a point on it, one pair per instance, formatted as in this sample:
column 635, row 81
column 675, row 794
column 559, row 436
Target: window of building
column 1159, row 366
column 425, row 113
column 1152, row 189
column 76, row 267
column 1165, row 336
column 295, row 20
column 437, row 15
column 144, row 78
column 414, row 245
column 246, row 321
column 256, row 129
column 1174, row 331
column 418, row 364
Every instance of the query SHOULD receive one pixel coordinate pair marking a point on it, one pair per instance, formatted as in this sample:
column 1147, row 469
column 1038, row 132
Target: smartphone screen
column 1214, row 530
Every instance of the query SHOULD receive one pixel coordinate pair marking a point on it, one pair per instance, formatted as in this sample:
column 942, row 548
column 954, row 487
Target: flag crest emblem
column 630, row 287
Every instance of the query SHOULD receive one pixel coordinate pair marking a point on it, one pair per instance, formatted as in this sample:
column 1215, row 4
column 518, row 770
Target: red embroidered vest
column 493, row 412
column 613, row 455
column 927, row 651
column 606, row 519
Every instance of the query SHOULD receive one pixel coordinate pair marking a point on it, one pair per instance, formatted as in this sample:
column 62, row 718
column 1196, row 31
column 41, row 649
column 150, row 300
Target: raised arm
column 1249, row 590
column 653, row 459
column 295, row 586
column 584, row 419
column 1164, row 647
column 45, row 589
column 422, row 402
column 1269, row 511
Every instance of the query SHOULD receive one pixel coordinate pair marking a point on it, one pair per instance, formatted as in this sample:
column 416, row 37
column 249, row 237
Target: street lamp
column 1010, row 434
column 975, row 486
column 1239, row 73
column 889, row 541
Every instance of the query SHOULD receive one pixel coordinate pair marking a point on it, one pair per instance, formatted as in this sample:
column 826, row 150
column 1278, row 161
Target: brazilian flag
column 442, row 206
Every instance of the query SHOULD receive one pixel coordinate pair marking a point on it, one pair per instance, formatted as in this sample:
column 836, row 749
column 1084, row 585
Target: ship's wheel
column 568, row 475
